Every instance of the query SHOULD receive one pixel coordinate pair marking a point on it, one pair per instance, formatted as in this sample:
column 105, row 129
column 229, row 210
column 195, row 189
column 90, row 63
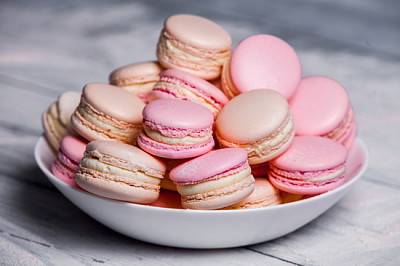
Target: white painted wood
column 50, row 47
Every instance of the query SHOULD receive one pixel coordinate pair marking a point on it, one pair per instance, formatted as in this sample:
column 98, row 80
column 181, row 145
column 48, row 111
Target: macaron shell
column 117, row 190
column 198, row 31
column 178, row 114
column 252, row 116
column 208, row 165
column 63, row 173
column 66, row 105
column 114, row 101
column 311, row 153
column 307, row 189
column 139, row 159
column 265, row 61
column 200, row 86
column 173, row 151
column 264, row 194
column 319, row 105
column 136, row 73
column 73, row 147
column 220, row 197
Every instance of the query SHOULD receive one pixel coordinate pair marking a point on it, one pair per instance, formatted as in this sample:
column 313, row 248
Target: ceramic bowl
column 204, row 228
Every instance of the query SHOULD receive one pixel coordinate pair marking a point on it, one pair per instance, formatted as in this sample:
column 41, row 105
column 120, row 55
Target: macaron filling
column 149, row 142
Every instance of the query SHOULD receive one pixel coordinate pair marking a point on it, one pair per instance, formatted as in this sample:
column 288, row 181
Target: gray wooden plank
column 361, row 229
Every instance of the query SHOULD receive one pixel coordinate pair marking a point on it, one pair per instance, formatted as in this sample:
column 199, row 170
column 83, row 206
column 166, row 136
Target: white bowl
column 204, row 228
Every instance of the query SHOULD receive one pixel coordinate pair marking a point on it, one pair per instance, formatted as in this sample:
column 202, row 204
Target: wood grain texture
column 48, row 47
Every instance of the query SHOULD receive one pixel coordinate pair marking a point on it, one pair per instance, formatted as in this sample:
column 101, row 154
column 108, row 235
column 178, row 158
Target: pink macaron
column 214, row 180
column 258, row 121
column 321, row 107
column 177, row 84
column 120, row 171
column 194, row 44
column 312, row 165
column 262, row 61
column 176, row 129
column 69, row 156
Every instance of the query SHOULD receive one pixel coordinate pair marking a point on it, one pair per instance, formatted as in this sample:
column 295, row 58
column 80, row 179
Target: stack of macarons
column 205, row 126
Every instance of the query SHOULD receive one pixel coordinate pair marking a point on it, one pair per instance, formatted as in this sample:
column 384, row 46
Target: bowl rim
column 360, row 171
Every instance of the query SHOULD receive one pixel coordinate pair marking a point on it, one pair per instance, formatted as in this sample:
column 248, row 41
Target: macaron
column 56, row 119
column 260, row 169
column 258, row 121
column 262, row 61
column 214, row 180
column 321, row 107
column 120, row 171
column 177, row 84
column 312, row 165
column 168, row 199
column 176, row 129
column 138, row 78
column 108, row 112
column 68, row 158
column 263, row 195
column 194, row 44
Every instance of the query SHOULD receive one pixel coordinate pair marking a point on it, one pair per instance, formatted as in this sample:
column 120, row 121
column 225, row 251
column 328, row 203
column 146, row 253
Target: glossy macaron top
column 209, row 165
column 198, row 32
column 177, row 114
column 319, row 105
column 265, row 61
column 114, row 101
column 73, row 147
column 311, row 153
column 252, row 116
column 136, row 73
column 138, row 158
column 200, row 85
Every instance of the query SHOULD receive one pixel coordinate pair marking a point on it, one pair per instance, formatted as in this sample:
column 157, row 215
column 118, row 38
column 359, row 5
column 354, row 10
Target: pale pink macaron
column 263, row 195
column 108, row 112
column 321, row 107
column 138, row 78
column 312, row 165
column 262, row 61
column 120, row 171
column 194, row 44
column 214, row 180
column 258, row 121
column 56, row 120
column 177, row 84
column 176, row 129
column 68, row 158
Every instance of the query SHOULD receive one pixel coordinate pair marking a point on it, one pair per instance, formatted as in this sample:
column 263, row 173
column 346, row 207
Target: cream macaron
column 108, row 112
column 120, row 171
column 194, row 44
column 138, row 78
column 56, row 120
column 258, row 121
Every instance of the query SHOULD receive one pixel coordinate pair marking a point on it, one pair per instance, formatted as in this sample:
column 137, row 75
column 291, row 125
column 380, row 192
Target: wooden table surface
column 47, row 47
